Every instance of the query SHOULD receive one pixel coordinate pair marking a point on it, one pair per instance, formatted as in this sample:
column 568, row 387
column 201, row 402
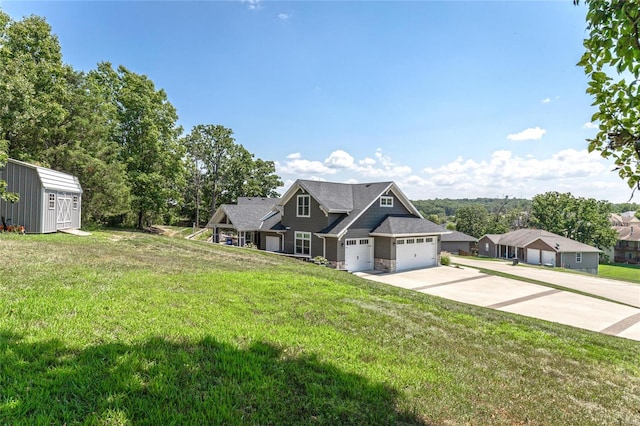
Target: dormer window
column 386, row 201
column 304, row 203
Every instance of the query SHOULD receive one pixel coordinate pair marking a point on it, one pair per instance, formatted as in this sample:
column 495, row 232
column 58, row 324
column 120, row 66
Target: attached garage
column 533, row 256
column 548, row 258
column 358, row 254
column 272, row 243
column 413, row 253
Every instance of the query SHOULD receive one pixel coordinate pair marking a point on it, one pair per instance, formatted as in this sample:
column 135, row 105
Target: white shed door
column 358, row 254
column 548, row 258
column 414, row 253
column 533, row 256
column 64, row 211
column 273, row 243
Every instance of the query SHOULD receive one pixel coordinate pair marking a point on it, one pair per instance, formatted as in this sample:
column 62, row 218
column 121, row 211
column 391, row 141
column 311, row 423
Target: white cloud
column 589, row 125
column 532, row 133
column 545, row 100
column 284, row 16
column 299, row 167
column 367, row 161
column 340, row 160
column 504, row 170
column 294, row 156
column 252, row 4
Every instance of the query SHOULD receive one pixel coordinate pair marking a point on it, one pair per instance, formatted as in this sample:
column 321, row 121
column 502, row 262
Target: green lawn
column 132, row 328
column 620, row 271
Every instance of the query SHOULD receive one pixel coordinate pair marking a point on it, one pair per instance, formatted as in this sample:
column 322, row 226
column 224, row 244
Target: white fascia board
column 419, row 234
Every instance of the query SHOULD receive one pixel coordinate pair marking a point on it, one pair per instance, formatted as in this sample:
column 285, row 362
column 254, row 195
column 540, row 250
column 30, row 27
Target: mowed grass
column 129, row 328
column 620, row 271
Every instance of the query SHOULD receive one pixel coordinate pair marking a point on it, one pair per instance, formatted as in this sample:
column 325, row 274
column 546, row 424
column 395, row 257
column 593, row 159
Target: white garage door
column 533, row 256
column 358, row 254
column 548, row 258
column 273, row 243
column 414, row 253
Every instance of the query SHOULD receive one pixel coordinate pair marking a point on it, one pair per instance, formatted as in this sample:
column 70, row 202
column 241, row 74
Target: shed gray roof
column 53, row 179
column 524, row 237
column 455, row 236
column 245, row 216
column 398, row 226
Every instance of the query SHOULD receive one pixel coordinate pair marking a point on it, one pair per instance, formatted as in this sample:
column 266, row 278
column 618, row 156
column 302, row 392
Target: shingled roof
column 346, row 198
column 524, row 237
column 455, row 236
column 246, row 215
column 402, row 226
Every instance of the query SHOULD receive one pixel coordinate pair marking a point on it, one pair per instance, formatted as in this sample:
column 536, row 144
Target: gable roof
column 523, row 237
column 455, row 236
column 628, row 233
column 351, row 199
column 404, row 226
column 52, row 179
column 246, row 215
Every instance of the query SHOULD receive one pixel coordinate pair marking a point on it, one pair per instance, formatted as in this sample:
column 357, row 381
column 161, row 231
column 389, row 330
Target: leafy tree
column 33, row 86
column 582, row 219
column 225, row 170
column 434, row 218
column 147, row 136
column 612, row 63
column 472, row 220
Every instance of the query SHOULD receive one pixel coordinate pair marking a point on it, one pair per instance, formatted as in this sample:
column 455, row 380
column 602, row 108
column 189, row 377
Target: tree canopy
column 581, row 219
column 115, row 131
column 612, row 62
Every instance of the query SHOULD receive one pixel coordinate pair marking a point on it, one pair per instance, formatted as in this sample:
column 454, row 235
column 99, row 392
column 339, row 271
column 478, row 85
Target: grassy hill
column 130, row 328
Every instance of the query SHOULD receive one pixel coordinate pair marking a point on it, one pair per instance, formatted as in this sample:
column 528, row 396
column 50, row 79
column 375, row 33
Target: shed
column 49, row 200
column 458, row 241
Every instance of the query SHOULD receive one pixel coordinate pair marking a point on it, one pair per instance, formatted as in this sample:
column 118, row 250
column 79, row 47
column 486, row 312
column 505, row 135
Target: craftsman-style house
column 356, row 227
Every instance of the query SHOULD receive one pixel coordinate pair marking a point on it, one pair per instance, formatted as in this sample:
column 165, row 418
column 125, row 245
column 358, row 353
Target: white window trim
column 386, row 201
column 578, row 257
column 74, row 201
column 52, row 201
column 303, row 197
column 299, row 235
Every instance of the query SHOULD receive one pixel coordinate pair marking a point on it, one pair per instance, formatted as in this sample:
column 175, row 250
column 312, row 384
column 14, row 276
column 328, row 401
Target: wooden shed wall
column 28, row 210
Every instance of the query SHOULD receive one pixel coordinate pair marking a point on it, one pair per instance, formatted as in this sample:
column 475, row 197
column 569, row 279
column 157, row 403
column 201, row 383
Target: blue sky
column 448, row 99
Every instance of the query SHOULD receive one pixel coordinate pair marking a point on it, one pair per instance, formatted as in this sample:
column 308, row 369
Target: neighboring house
column 49, row 200
column 539, row 247
column 627, row 248
column 457, row 241
column 243, row 219
column 356, row 227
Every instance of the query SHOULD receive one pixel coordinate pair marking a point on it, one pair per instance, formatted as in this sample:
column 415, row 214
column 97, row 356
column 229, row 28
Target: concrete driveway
column 468, row 285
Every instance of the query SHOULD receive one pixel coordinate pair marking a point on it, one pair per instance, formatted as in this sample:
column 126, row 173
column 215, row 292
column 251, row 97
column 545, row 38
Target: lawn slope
column 130, row 328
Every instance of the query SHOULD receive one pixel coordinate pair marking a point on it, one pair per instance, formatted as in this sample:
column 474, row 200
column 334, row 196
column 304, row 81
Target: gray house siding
column 382, row 248
column 456, row 246
column 589, row 262
column 26, row 211
column 34, row 185
column 375, row 214
column 332, row 250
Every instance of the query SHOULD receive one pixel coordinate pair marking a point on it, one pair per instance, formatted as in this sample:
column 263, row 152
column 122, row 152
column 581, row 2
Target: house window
column 304, row 202
column 400, row 241
column 419, row 240
column 486, row 247
column 430, row 239
column 386, row 201
column 578, row 257
column 364, row 242
column 303, row 243
column 75, row 202
column 351, row 242
column 411, row 241
column 52, row 201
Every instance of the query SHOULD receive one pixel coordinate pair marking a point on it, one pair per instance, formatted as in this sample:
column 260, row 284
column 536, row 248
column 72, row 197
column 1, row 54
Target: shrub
column 445, row 259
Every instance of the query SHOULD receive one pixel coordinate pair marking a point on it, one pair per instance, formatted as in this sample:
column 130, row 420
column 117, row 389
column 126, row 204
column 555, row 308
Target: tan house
column 627, row 248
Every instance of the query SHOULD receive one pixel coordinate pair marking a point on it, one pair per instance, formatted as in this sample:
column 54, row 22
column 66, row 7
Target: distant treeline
column 446, row 207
